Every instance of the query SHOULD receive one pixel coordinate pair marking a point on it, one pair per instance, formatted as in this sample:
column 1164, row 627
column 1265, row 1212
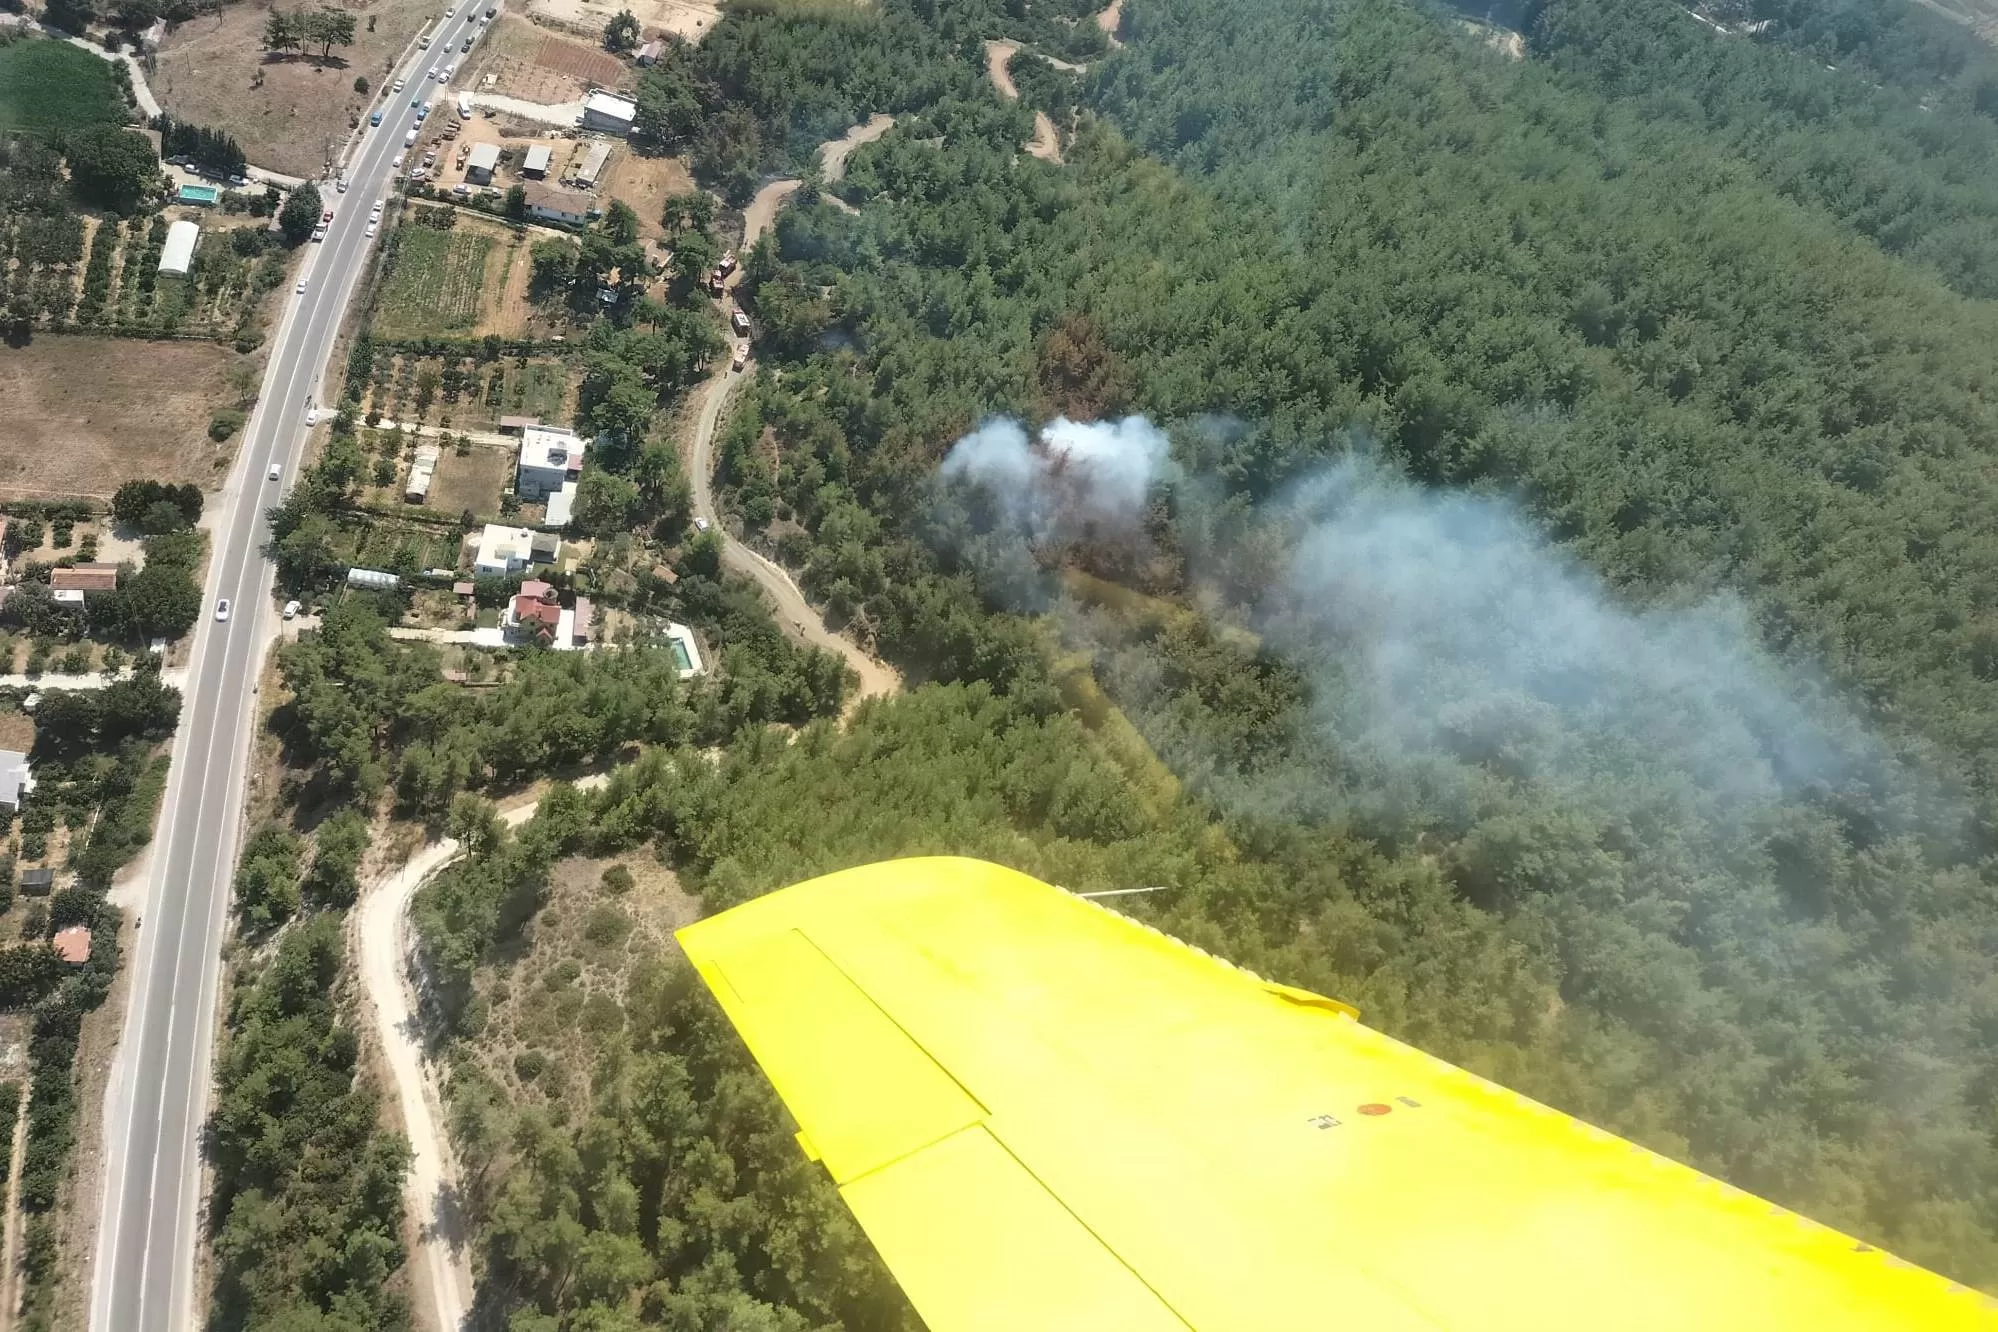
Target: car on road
column 398, row 85
column 300, row 288
column 409, row 139
column 326, row 217
column 277, row 470
column 416, row 103
column 396, row 165
column 372, row 226
column 700, row 524
column 467, row 46
column 436, row 71
column 375, row 119
column 222, row 609
column 340, row 185
column 741, row 356
column 422, row 114
column 449, row 70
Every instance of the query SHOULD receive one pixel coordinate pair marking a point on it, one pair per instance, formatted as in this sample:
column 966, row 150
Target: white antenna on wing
column 1127, row 892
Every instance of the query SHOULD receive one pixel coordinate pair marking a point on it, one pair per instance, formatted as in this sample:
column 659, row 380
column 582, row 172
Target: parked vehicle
column 375, row 119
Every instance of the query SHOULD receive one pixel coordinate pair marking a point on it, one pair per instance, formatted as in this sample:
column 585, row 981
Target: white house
column 502, row 550
column 546, row 204
column 550, row 458
column 17, row 779
column 178, row 253
column 601, row 111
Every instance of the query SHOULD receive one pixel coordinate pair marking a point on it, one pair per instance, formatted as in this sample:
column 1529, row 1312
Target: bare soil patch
column 17, row 731
column 1110, row 18
column 689, row 18
column 288, row 114
column 646, row 183
column 1044, row 145
column 89, row 414
column 580, row 62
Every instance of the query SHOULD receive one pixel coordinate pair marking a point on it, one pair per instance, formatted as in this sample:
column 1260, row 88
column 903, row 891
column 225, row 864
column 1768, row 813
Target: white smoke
column 1458, row 630
column 1075, row 476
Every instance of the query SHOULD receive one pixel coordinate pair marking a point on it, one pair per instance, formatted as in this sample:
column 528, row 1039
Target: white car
column 277, row 469
column 436, row 71
column 372, row 226
column 376, row 211
column 700, row 524
column 222, row 609
column 449, row 70
column 300, row 288
column 341, row 185
column 290, row 610
column 398, row 85
column 397, row 164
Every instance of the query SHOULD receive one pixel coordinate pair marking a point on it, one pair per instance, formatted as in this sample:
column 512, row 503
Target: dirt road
column 1045, row 144
column 998, row 64
column 1111, row 18
column 762, row 210
column 794, row 614
column 387, row 959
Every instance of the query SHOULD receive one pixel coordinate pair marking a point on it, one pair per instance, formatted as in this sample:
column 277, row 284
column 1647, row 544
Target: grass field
column 46, row 84
column 472, row 482
column 433, row 283
column 103, row 411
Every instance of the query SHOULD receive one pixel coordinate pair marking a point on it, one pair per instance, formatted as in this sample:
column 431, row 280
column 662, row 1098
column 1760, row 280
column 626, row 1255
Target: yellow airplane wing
column 1049, row 1118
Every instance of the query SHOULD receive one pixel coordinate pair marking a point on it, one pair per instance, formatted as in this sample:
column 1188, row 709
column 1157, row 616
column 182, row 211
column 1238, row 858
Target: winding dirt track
column 387, row 963
column 1045, row 144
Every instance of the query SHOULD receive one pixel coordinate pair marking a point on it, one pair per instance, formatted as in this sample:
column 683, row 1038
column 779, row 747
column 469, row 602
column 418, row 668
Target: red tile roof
column 73, row 943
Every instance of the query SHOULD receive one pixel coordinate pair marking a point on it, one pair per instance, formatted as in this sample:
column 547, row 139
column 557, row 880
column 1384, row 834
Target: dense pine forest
column 1561, row 621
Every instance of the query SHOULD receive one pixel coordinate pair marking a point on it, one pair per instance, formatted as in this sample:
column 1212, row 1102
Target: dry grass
column 472, row 482
column 689, row 18
column 646, row 183
column 87, row 414
column 525, row 61
column 286, row 113
column 17, row 731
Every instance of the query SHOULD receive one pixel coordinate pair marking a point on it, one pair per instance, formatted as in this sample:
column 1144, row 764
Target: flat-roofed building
column 535, row 164
column 481, row 163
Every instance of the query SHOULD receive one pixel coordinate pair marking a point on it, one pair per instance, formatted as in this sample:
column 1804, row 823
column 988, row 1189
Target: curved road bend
column 148, row 1234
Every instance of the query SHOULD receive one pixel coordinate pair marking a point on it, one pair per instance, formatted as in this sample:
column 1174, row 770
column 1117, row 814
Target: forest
column 1565, row 628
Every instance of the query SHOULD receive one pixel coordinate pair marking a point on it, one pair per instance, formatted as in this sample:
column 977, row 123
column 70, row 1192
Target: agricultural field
column 525, row 62
column 103, row 411
column 288, row 113
column 470, row 393
column 397, row 547
column 688, row 18
column 46, row 85
column 434, row 282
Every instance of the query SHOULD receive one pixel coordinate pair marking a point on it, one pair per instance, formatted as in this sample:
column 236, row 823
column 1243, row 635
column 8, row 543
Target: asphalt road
column 143, row 1278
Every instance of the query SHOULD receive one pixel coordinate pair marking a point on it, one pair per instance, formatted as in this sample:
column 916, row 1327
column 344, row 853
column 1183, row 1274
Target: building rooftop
column 500, row 546
column 483, row 157
column 17, row 779
column 562, row 504
column 559, row 201
column 603, row 104
column 548, row 449
column 593, row 163
column 42, row 876
column 538, row 158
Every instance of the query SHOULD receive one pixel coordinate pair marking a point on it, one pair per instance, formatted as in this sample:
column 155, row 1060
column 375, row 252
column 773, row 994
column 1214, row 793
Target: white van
column 409, row 138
